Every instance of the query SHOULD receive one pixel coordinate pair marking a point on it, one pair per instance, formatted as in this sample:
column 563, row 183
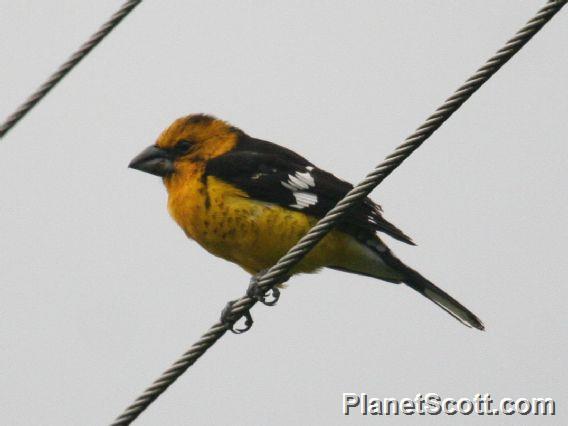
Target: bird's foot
column 227, row 317
column 255, row 292
column 259, row 294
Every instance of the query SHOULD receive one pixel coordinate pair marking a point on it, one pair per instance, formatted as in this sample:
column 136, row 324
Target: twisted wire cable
column 279, row 271
column 67, row 66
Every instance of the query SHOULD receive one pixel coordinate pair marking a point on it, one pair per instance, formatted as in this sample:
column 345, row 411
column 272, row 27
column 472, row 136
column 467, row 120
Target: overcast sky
column 100, row 291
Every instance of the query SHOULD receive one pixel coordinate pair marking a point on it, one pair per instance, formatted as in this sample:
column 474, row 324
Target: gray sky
column 100, row 290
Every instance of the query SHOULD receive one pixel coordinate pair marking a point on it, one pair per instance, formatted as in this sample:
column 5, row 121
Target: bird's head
column 189, row 140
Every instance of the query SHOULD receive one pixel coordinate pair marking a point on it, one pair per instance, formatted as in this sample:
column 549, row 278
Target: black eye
column 183, row 147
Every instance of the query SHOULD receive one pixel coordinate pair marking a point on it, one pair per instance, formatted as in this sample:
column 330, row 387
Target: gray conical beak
column 154, row 160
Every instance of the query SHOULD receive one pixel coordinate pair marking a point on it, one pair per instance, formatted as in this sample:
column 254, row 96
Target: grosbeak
column 249, row 201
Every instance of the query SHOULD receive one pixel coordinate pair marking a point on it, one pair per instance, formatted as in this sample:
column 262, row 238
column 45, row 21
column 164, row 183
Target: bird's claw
column 257, row 293
column 227, row 317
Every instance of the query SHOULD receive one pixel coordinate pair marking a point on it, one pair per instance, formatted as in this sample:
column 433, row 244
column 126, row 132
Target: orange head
column 193, row 139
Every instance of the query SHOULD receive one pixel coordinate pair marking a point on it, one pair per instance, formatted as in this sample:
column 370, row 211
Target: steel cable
column 67, row 66
column 276, row 273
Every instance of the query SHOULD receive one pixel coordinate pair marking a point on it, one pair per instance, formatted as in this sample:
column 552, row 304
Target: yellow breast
column 253, row 234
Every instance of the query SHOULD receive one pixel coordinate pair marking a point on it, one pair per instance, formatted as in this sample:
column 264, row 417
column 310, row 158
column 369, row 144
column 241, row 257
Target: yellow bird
column 249, row 201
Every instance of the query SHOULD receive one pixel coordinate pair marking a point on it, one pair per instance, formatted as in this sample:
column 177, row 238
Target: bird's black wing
column 274, row 174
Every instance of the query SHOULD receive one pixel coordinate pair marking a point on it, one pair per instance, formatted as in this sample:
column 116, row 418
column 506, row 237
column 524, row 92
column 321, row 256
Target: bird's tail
column 374, row 259
column 426, row 288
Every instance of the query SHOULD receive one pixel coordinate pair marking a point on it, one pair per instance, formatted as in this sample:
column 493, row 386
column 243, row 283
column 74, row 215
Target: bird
column 248, row 201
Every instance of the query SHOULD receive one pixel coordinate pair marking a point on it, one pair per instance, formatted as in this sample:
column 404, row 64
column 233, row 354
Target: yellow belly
column 247, row 232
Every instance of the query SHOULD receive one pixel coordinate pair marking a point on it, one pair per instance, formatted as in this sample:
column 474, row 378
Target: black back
column 274, row 174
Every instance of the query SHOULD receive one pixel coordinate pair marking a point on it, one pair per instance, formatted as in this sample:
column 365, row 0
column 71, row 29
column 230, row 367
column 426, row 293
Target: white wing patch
column 304, row 199
column 298, row 183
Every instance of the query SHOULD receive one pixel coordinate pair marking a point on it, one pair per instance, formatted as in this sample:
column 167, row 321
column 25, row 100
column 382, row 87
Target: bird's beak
column 154, row 160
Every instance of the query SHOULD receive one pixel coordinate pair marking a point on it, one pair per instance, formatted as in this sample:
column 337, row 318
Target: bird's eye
column 183, row 147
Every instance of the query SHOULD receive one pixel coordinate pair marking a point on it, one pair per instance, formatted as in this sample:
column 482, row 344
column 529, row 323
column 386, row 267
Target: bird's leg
column 227, row 317
column 256, row 292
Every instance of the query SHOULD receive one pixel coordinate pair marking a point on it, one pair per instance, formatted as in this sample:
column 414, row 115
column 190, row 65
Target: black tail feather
column 414, row 280
column 443, row 300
